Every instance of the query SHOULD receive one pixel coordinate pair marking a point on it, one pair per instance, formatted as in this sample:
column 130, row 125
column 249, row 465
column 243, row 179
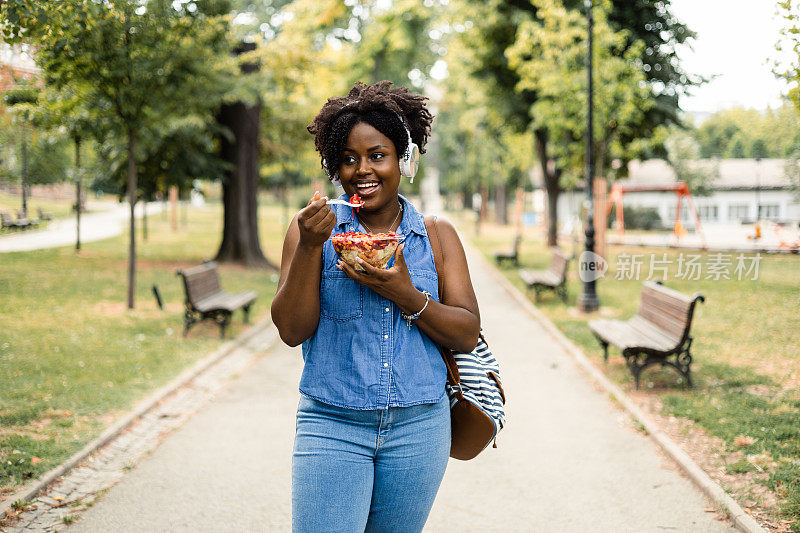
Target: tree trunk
column 501, row 205
column 144, row 219
column 24, row 174
column 484, row 203
column 466, row 197
column 551, row 178
column 173, row 207
column 78, row 193
column 240, row 243
column 132, row 201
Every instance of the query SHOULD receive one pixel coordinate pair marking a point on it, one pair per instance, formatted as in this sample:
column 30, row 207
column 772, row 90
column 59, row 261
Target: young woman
column 373, row 421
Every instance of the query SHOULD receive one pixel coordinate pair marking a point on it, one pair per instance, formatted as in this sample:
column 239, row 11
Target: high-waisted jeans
column 375, row 470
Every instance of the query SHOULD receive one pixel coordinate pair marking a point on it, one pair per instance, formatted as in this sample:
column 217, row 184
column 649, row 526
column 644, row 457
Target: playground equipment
column 681, row 189
column 785, row 242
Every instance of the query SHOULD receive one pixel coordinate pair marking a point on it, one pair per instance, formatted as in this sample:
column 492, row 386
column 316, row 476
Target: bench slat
column 558, row 265
column 679, row 310
column 201, row 284
column 666, row 309
column 225, row 301
column 625, row 335
column 538, row 276
column 666, row 319
column 656, row 336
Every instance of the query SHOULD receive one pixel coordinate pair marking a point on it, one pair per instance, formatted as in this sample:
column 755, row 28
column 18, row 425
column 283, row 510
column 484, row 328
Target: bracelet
column 410, row 318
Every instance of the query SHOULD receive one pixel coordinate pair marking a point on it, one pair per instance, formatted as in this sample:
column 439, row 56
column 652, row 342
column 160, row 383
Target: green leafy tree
column 64, row 113
column 743, row 132
column 759, row 149
column 657, row 32
column 493, row 28
column 550, row 57
column 683, row 155
column 398, row 41
column 789, row 43
column 478, row 151
column 137, row 63
column 736, row 149
column 22, row 100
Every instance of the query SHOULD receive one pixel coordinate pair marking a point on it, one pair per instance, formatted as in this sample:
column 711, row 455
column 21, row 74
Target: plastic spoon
column 344, row 202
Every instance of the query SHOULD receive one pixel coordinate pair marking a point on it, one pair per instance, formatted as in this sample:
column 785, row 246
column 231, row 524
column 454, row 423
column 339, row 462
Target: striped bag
column 476, row 400
column 473, row 385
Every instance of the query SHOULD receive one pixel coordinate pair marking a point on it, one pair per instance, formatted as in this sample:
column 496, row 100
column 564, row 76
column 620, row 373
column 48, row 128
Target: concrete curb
column 32, row 490
column 742, row 520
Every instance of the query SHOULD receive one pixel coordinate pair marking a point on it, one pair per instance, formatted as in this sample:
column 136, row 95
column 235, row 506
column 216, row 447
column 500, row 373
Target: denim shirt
column 363, row 354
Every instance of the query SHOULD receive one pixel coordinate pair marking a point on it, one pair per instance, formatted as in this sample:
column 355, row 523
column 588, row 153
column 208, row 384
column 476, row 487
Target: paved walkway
column 109, row 221
column 568, row 460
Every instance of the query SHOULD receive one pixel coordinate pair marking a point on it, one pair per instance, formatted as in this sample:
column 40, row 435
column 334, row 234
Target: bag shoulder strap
column 453, row 377
column 436, row 244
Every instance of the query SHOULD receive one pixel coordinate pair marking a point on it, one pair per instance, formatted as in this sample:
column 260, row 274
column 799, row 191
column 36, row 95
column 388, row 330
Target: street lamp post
column 588, row 301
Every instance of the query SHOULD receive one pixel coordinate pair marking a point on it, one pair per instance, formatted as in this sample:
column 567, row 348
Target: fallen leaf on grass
column 743, row 440
column 35, row 460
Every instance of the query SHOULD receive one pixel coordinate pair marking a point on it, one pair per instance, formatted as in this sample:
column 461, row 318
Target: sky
column 735, row 39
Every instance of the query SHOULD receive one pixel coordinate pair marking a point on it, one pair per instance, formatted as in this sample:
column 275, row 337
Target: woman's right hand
column 316, row 221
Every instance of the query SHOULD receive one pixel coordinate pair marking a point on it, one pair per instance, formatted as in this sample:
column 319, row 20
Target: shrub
column 646, row 218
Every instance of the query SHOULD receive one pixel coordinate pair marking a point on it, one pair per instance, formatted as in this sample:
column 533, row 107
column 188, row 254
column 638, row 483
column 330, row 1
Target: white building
column 742, row 191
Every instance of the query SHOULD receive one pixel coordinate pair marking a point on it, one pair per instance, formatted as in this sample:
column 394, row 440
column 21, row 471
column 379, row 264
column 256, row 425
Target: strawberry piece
column 355, row 199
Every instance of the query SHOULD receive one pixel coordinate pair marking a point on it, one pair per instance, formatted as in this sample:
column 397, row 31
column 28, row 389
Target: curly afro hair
column 379, row 106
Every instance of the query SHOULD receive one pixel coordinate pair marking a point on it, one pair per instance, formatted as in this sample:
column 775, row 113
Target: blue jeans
column 375, row 470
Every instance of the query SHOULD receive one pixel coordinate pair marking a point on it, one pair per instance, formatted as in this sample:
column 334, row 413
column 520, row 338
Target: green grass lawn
column 746, row 367
column 11, row 203
column 73, row 358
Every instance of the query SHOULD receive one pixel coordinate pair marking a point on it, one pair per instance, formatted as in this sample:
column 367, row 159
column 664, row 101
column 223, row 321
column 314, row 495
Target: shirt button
column 385, row 364
column 387, row 309
column 386, row 336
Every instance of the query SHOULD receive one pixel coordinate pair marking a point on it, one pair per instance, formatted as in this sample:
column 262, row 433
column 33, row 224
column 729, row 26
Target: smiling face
column 369, row 167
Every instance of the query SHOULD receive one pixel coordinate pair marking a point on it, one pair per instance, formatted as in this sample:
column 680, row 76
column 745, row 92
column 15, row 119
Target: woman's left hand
column 393, row 283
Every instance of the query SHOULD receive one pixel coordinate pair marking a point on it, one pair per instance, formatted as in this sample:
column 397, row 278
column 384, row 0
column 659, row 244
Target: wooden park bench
column 658, row 333
column 6, row 221
column 553, row 279
column 206, row 299
column 511, row 254
column 24, row 222
column 19, row 223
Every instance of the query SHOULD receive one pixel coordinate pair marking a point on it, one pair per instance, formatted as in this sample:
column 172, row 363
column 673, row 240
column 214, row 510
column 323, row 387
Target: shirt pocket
column 341, row 298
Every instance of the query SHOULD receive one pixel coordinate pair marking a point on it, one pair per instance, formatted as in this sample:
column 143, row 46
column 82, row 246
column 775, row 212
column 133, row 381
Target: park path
column 567, row 461
column 110, row 221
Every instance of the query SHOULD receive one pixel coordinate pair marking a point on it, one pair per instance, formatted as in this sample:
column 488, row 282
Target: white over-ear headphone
column 409, row 161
